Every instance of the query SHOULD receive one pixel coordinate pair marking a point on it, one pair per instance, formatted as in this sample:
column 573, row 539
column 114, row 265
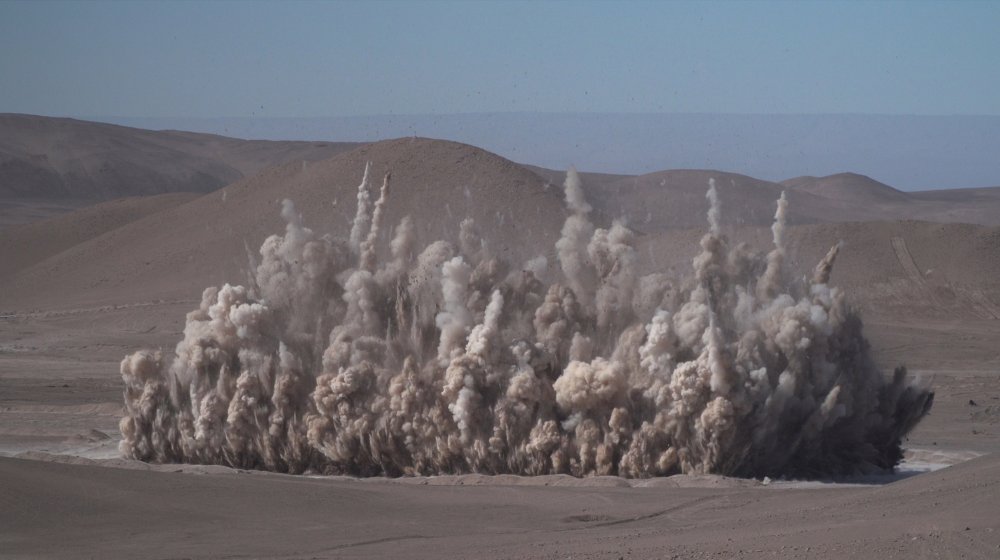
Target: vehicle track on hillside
column 977, row 301
column 910, row 267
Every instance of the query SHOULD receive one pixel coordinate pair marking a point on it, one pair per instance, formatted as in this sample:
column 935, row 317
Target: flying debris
column 451, row 360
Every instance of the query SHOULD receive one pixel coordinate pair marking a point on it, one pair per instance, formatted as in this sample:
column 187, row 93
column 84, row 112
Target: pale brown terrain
column 846, row 197
column 214, row 512
column 46, row 157
column 177, row 252
column 26, row 244
column 80, row 290
column 51, row 165
column 15, row 211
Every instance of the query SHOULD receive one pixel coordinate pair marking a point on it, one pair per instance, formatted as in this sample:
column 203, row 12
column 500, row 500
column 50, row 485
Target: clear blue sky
column 360, row 58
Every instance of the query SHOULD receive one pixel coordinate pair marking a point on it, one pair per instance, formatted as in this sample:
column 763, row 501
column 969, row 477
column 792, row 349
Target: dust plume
column 450, row 360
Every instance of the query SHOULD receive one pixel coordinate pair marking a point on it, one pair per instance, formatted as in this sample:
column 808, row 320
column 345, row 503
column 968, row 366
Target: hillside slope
column 59, row 158
column 178, row 251
column 26, row 244
column 675, row 199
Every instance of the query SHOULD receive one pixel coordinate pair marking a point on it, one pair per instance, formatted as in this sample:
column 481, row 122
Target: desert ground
column 108, row 235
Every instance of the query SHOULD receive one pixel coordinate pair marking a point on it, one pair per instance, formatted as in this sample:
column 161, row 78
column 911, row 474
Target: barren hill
column 179, row 250
column 848, row 187
column 675, row 199
column 59, row 158
column 26, row 244
column 894, row 268
column 849, row 196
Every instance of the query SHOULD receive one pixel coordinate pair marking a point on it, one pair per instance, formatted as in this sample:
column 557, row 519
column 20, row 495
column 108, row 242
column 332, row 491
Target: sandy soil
column 117, row 513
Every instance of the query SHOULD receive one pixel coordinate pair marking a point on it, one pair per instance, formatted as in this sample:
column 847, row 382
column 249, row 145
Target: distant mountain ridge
column 909, row 152
column 675, row 199
column 80, row 163
column 851, row 186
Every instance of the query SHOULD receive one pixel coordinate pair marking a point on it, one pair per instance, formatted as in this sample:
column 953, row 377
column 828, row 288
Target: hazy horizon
column 908, row 152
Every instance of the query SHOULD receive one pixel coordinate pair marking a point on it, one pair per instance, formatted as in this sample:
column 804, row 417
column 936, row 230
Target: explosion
column 451, row 361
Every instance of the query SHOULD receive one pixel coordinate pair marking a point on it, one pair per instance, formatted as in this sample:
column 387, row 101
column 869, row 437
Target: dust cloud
column 449, row 360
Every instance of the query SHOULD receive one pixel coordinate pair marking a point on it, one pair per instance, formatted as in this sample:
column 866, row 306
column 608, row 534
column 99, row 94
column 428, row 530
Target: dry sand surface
column 80, row 290
column 106, row 512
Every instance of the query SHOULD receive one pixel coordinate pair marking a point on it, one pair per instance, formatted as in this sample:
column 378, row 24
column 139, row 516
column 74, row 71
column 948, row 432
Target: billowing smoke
column 449, row 360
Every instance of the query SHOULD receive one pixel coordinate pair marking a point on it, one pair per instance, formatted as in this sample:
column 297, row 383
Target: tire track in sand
column 977, row 301
column 910, row 267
